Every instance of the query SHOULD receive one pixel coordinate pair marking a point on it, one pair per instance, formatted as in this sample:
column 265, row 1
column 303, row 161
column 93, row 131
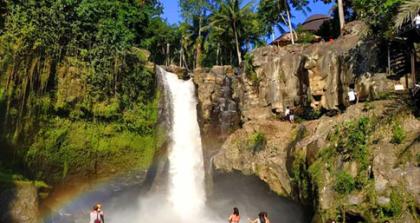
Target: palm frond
column 408, row 10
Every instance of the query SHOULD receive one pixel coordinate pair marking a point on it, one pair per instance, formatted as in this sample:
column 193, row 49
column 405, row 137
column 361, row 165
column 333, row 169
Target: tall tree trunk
column 341, row 13
column 181, row 52
column 218, row 54
column 167, row 54
column 198, row 44
column 238, row 50
column 290, row 26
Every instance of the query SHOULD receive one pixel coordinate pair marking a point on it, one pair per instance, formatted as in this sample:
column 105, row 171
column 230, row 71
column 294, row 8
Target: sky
column 172, row 12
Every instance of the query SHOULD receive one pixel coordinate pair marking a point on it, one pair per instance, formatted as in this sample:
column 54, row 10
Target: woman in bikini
column 234, row 217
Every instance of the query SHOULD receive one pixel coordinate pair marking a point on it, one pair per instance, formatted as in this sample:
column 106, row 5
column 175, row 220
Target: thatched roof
column 314, row 22
column 283, row 40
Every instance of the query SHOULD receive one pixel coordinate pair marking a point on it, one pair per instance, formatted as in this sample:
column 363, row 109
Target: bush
column 395, row 206
column 398, row 134
column 257, row 142
column 344, row 183
column 250, row 72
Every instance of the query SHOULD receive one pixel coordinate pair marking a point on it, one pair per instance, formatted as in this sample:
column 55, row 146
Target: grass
column 8, row 179
column 344, row 183
column 250, row 72
column 257, row 142
column 398, row 134
column 66, row 148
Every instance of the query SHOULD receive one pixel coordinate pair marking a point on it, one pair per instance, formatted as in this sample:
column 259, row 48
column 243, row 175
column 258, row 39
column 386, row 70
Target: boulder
column 268, row 163
column 374, row 86
column 19, row 203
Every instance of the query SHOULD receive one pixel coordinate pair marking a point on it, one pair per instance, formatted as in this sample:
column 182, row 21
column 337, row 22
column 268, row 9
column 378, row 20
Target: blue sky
column 172, row 13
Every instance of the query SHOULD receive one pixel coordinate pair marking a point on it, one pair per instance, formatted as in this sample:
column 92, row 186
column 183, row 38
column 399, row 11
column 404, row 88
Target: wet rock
column 19, row 203
column 218, row 109
column 269, row 163
column 180, row 71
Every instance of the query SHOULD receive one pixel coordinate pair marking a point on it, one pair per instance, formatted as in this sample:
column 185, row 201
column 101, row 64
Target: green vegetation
column 8, row 179
column 375, row 12
column 77, row 92
column 257, row 142
column 300, row 178
column 344, row 183
column 250, row 72
column 398, row 134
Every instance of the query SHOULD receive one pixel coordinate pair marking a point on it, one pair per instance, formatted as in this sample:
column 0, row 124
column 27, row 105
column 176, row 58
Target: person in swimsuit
column 266, row 217
column 261, row 218
column 234, row 217
column 97, row 215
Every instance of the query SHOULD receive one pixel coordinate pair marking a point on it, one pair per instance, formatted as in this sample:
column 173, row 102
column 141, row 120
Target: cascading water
column 186, row 166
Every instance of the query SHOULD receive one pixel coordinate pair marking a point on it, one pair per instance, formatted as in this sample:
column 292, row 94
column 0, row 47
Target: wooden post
column 413, row 65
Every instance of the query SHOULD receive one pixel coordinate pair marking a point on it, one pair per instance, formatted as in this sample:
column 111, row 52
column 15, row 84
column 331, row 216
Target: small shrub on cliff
column 398, row 134
column 344, row 183
column 249, row 68
column 300, row 176
column 395, row 206
column 351, row 140
column 257, row 142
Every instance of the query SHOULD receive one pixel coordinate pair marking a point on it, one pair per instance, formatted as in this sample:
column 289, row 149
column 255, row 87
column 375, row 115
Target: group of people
column 235, row 217
column 97, row 216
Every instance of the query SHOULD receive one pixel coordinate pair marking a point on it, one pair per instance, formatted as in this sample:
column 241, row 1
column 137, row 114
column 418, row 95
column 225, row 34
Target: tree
column 407, row 11
column 231, row 16
column 341, row 13
column 195, row 11
column 274, row 13
column 378, row 14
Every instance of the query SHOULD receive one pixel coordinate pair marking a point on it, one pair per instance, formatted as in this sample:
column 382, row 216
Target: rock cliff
column 19, row 203
column 360, row 165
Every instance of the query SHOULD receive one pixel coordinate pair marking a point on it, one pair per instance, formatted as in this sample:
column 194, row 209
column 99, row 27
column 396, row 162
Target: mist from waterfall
column 184, row 199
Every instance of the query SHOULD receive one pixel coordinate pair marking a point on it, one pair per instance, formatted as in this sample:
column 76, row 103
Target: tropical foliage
column 407, row 11
column 72, row 71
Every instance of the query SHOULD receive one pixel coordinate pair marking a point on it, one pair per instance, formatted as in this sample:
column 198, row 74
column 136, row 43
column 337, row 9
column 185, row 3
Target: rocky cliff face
column 218, row 107
column 317, row 75
column 19, row 203
column 312, row 162
column 340, row 166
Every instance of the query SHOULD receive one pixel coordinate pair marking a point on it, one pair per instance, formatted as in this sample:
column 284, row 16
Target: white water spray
column 186, row 167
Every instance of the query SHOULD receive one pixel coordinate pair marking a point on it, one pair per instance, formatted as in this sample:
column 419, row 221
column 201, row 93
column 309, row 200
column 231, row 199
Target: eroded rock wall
column 19, row 203
column 290, row 157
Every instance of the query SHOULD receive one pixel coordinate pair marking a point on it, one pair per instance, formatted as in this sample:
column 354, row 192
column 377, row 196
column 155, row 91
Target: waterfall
column 186, row 167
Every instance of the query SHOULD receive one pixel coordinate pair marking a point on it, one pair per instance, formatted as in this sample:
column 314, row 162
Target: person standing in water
column 97, row 215
column 261, row 218
column 234, row 217
column 266, row 218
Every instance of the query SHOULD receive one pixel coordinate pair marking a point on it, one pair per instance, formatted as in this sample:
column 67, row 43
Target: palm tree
column 278, row 12
column 231, row 16
column 341, row 13
column 408, row 10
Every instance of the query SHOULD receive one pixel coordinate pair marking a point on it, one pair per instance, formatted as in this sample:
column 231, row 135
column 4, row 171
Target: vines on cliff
column 70, row 66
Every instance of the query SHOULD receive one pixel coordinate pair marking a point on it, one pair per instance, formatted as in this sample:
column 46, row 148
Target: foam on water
column 186, row 166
